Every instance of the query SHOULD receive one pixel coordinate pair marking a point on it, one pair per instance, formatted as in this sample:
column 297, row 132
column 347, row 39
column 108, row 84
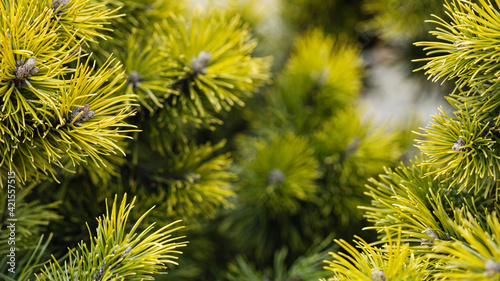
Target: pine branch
column 467, row 51
column 324, row 80
column 443, row 204
column 211, row 66
column 115, row 253
column 395, row 260
column 53, row 114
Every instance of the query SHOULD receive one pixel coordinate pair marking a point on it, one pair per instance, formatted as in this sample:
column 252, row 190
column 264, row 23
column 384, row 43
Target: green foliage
column 192, row 183
column 32, row 219
column 476, row 258
column 142, row 14
column 305, row 268
column 462, row 148
column 54, row 115
column 297, row 175
column 443, row 205
column 351, row 150
column 81, row 19
column 465, row 146
column 29, row 263
column 333, row 15
column 407, row 198
column 210, row 62
column 344, row 138
column 398, row 19
column 468, row 52
column 393, row 261
column 117, row 253
column 149, row 61
column 308, row 137
column 319, row 83
column 277, row 177
column 145, row 67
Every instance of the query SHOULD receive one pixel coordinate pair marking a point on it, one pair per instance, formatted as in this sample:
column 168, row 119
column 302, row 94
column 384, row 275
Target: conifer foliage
column 437, row 216
column 92, row 92
column 58, row 109
column 178, row 108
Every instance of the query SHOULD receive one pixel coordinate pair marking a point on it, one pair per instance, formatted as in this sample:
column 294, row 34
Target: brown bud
column 83, row 114
column 24, row 70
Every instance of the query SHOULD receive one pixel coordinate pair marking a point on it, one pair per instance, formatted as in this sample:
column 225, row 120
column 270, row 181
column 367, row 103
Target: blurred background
column 386, row 30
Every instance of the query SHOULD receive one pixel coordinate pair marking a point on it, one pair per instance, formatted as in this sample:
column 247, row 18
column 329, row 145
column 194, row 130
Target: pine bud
column 378, row 275
column 459, row 145
column 492, row 268
column 25, row 70
column 353, row 145
column 83, row 114
column 200, row 62
column 59, row 3
column 100, row 273
column 30, row 63
column 432, row 235
column 134, row 78
column 276, row 176
column 126, row 252
column 458, row 44
column 192, row 177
